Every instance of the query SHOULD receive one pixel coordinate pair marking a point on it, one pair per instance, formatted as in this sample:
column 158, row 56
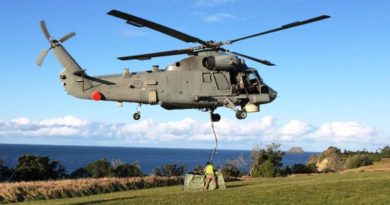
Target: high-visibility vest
column 209, row 169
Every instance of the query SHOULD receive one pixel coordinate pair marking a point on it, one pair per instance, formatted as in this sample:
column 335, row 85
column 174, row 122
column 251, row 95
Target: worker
column 209, row 176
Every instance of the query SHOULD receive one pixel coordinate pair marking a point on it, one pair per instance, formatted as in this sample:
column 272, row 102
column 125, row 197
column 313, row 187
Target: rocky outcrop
column 330, row 160
column 295, row 150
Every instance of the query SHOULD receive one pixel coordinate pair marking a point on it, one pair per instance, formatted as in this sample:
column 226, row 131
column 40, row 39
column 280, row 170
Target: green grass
column 347, row 188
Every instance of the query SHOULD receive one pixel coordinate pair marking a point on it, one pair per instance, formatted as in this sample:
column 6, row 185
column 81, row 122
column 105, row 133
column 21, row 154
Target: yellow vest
column 209, row 169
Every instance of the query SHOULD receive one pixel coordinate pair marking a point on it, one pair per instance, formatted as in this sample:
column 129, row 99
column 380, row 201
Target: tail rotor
column 53, row 42
column 42, row 56
column 44, row 30
column 67, row 36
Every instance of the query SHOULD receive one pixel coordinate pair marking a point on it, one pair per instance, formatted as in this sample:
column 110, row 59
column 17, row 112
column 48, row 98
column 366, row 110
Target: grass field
column 363, row 187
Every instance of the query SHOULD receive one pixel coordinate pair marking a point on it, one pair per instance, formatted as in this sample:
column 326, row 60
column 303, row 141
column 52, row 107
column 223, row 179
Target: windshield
column 253, row 76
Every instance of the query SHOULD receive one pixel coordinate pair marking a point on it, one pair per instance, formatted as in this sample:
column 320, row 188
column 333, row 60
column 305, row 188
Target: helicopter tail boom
column 73, row 78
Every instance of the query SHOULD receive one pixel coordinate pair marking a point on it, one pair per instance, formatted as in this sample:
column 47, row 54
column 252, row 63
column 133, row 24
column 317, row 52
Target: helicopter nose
column 272, row 94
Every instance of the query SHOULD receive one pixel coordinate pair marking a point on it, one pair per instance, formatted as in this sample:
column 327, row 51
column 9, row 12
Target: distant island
column 295, row 150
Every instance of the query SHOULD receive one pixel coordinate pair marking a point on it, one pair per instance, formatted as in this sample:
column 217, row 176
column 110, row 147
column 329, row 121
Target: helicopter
column 210, row 77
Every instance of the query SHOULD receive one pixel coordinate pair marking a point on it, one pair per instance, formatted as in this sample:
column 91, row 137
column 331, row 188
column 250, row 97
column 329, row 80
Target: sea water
column 74, row 157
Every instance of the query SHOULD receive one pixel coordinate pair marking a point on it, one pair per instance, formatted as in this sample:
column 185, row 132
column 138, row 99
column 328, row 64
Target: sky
column 332, row 76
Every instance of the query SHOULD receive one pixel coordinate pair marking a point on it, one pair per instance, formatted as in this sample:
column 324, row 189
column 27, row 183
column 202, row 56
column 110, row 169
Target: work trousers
column 208, row 179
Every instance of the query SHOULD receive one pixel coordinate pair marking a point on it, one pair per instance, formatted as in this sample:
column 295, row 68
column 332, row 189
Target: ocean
column 74, row 157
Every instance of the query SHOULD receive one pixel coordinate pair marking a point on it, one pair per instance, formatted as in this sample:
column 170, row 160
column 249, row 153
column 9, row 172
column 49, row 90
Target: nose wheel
column 240, row 113
column 137, row 115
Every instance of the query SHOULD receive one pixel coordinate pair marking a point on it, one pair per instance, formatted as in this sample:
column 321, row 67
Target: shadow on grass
column 235, row 186
column 105, row 200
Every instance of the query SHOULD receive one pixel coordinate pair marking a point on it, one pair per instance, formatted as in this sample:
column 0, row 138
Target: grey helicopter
column 210, row 77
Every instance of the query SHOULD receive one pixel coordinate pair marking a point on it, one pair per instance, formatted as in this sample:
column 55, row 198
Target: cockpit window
column 252, row 76
column 252, row 81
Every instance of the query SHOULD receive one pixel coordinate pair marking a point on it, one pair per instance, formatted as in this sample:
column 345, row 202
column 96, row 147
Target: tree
column 303, row 169
column 385, row 152
column 80, row 173
column 128, row 170
column 32, row 168
column 169, row 170
column 266, row 169
column 358, row 160
column 99, row 168
column 231, row 169
column 5, row 172
column 197, row 170
column 267, row 162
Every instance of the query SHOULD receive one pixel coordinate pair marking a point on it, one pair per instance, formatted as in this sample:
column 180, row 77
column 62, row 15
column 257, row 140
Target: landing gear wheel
column 241, row 114
column 136, row 116
column 215, row 117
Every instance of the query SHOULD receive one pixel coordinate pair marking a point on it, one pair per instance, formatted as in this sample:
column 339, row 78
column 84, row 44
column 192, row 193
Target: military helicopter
column 210, row 77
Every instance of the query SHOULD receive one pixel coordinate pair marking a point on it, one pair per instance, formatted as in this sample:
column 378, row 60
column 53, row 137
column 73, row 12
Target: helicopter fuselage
column 186, row 84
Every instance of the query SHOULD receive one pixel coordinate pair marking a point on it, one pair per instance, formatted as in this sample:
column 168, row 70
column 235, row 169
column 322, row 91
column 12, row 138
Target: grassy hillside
column 345, row 188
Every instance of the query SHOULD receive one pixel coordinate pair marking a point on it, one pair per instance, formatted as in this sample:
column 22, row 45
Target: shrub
column 5, row 172
column 80, row 173
column 32, row 168
column 303, row 169
column 169, row 170
column 375, row 157
column 266, row 169
column 285, row 171
column 267, row 162
column 231, row 169
column 198, row 170
column 102, row 168
column 328, row 170
column 99, row 168
column 358, row 160
column 128, row 170
column 385, row 152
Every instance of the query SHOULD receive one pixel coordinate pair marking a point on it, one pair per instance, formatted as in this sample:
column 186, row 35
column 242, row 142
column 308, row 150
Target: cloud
column 65, row 121
column 189, row 131
column 211, row 3
column 21, row 121
column 217, row 17
column 294, row 130
column 344, row 132
column 66, row 126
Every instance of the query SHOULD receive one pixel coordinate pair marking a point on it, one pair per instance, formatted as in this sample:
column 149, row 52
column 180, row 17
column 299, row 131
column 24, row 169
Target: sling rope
column 214, row 151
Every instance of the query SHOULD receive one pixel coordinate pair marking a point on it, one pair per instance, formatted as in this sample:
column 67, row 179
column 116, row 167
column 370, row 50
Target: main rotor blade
column 44, row 30
column 148, row 56
column 287, row 26
column 67, row 36
column 42, row 56
column 265, row 62
column 140, row 22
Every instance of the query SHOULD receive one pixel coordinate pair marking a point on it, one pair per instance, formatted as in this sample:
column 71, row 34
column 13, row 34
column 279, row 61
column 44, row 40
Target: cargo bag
column 196, row 182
